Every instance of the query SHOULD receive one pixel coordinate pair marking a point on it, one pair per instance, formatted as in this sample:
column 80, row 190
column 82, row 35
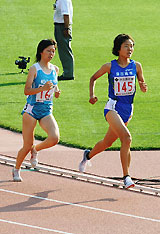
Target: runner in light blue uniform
column 118, row 110
column 41, row 104
column 40, row 86
column 124, row 81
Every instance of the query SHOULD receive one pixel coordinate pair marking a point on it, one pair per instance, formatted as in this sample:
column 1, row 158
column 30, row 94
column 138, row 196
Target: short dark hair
column 42, row 45
column 118, row 42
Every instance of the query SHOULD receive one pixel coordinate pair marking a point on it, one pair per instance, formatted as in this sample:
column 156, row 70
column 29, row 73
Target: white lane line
column 83, row 206
column 35, row 227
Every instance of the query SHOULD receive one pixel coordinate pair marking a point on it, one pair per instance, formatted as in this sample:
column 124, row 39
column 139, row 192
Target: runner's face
column 126, row 49
column 48, row 53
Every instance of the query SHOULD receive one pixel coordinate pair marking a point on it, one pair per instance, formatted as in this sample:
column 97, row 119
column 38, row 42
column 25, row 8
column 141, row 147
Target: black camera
column 22, row 64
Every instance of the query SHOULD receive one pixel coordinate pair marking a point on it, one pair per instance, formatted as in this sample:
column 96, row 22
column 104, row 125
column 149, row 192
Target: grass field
column 96, row 23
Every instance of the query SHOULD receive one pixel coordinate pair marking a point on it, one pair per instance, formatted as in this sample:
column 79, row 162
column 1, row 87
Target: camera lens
column 17, row 62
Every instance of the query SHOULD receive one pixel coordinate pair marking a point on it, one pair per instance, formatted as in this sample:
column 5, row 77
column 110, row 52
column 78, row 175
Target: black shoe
column 65, row 78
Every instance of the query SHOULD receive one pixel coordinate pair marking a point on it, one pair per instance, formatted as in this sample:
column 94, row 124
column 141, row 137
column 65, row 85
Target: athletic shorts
column 124, row 110
column 38, row 111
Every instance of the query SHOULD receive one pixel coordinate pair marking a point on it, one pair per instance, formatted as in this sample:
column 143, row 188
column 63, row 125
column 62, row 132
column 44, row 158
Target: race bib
column 124, row 85
column 45, row 95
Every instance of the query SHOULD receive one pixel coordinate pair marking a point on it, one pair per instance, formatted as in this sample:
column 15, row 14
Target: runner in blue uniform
column 40, row 87
column 118, row 110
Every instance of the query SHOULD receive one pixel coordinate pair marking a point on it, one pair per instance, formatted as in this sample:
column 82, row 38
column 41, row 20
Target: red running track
column 45, row 203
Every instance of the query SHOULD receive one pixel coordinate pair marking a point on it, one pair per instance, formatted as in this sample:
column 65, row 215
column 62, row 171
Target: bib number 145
column 124, row 85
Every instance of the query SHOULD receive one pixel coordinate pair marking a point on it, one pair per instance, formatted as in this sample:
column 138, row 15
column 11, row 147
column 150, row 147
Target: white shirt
column 63, row 7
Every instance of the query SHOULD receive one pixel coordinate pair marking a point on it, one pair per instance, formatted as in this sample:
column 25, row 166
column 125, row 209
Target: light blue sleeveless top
column 45, row 97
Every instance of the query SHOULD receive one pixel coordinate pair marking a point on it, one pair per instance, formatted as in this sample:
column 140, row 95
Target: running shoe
column 34, row 160
column 85, row 162
column 128, row 183
column 16, row 175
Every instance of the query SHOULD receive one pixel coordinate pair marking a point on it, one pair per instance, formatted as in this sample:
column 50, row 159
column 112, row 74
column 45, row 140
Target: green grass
column 24, row 23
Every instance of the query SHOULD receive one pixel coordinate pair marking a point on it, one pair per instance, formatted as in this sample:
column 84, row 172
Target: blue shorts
column 38, row 111
column 123, row 109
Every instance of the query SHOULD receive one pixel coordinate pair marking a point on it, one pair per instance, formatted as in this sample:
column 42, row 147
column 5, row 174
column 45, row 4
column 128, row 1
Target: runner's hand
column 48, row 85
column 93, row 100
column 57, row 94
column 143, row 86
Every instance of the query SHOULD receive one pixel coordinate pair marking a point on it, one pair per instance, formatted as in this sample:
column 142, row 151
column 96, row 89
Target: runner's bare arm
column 57, row 92
column 57, row 69
column 140, row 77
column 104, row 69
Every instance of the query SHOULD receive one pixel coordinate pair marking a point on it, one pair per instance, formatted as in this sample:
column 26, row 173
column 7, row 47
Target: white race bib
column 45, row 95
column 124, row 85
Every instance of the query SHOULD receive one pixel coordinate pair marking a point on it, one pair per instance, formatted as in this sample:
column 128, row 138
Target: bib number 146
column 45, row 95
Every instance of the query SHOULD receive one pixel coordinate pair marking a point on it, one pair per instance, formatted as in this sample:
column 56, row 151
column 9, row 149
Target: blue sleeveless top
column 122, row 82
column 45, row 97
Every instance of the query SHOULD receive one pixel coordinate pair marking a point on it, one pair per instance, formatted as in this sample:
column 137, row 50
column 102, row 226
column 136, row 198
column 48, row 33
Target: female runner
column 40, row 87
column 118, row 110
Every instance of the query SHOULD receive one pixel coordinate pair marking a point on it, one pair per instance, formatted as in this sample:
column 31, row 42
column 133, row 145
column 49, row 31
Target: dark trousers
column 64, row 50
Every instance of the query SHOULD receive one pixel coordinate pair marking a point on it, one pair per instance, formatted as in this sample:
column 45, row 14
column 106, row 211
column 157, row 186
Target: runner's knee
column 27, row 147
column 53, row 140
column 126, row 139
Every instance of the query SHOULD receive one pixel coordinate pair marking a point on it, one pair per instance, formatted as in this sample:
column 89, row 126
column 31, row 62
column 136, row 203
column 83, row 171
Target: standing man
column 63, row 34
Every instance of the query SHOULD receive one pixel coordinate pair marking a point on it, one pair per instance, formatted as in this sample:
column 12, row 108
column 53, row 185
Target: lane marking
column 31, row 226
column 83, row 206
column 44, row 168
